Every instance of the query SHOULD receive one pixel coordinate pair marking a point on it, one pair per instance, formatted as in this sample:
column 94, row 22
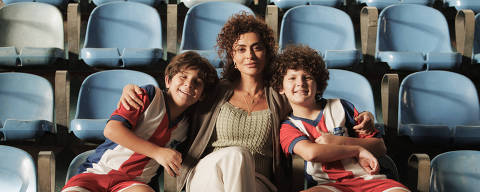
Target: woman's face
column 249, row 54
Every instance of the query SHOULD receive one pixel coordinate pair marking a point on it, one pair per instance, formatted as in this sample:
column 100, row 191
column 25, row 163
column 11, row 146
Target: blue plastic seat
column 17, row 170
column 123, row 34
column 191, row 3
column 31, row 34
column 98, row 98
column 455, row 171
column 474, row 5
column 26, row 107
column 333, row 35
column 147, row 2
column 76, row 162
column 414, row 37
column 476, row 40
column 381, row 4
column 287, row 4
column 438, row 107
column 58, row 3
column 202, row 24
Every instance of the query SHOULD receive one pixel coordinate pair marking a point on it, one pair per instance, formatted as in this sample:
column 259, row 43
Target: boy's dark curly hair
column 237, row 25
column 300, row 57
column 188, row 59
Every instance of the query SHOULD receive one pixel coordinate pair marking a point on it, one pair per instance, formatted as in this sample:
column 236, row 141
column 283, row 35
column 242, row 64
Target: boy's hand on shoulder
column 365, row 123
column 129, row 97
column 368, row 162
column 170, row 159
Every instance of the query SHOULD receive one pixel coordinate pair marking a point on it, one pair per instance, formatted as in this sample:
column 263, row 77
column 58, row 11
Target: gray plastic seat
column 191, row 3
column 31, row 34
column 17, row 170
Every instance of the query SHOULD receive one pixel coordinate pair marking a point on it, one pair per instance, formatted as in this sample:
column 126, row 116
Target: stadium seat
column 455, row 171
column 17, row 170
column 381, row 4
column 476, row 40
column 98, row 97
column 202, row 24
column 123, row 34
column 152, row 3
column 413, row 38
column 474, row 5
column 75, row 164
column 191, row 3
column 58, row 3
column 287, row 4
column 26, row 107
column 31, row 34
column 438, row 108
column 333, row 35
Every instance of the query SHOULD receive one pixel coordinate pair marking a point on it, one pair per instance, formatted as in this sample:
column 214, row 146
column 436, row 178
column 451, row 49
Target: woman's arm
column 170, row 159
column 130, row 97
column 324, row 153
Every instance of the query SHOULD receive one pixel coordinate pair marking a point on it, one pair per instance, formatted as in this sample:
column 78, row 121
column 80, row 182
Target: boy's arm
column 375, row 145
column 324, row 153
column 170, row 159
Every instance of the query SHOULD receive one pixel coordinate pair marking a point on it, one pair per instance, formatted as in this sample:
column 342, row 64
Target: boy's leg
column 229, row 169
column 138, row 188
column 86, row 182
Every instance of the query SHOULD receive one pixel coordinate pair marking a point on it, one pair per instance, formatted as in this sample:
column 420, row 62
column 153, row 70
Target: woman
column 234, row 140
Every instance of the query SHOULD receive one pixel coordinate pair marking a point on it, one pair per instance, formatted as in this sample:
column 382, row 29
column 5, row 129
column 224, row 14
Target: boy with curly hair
column 322, row 131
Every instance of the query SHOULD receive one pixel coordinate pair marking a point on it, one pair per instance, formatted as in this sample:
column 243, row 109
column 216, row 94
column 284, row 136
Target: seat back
column 124, row 25
column 415, row 28
column 58, row 3
column 433, row 103
column 331, row 35
column 455, row 171
column 98, row 98
column 381, row 4
column 287, row 4
column 473, row 5
column 17, row 170
column 31, row 24
column 147, row 2
column 100, row 92
column 76, row 162
column 202, row 24
column 191, row 3
column 27, row 104
column 476, row 40
column 352, row 87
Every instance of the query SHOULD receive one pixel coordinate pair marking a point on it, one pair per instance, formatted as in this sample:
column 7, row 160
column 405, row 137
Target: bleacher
column 415, row 64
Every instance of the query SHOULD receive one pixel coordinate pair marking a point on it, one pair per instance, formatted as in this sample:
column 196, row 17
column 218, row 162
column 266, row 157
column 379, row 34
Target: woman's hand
column 365, row 123
column 170, row 159
column 129, row 97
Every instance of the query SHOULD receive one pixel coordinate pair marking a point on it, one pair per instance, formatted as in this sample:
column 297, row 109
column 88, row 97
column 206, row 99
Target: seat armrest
column 419, row 172
column 389, row 89
column 46, row 171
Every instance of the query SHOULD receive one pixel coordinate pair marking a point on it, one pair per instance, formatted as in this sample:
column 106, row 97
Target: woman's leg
column 229, row 169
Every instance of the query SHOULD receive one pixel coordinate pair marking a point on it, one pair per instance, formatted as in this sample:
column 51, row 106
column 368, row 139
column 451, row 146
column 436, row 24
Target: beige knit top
column 235, row 127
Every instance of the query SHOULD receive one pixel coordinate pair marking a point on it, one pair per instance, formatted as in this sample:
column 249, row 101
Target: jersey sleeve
column 289, row 136
column 129, row 117
column 351, row 113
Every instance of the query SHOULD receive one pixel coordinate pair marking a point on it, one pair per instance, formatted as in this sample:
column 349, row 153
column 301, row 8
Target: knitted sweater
column 235, row 127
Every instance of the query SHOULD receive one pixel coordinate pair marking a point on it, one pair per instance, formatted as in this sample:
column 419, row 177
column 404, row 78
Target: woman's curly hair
column 237, row 25
column 299, row 57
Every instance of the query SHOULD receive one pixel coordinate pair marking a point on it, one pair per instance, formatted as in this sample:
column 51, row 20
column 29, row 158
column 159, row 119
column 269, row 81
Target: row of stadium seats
column 27, row 104
column 126, row 34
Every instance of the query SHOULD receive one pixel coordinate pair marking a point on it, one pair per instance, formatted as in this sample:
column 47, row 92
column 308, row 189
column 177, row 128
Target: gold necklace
column 250, row 106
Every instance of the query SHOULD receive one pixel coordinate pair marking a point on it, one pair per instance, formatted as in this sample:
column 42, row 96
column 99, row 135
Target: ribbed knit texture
column 235, row 127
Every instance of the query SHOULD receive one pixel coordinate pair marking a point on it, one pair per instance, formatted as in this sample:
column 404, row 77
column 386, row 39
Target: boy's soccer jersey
column 337, row 117
column 151, row 123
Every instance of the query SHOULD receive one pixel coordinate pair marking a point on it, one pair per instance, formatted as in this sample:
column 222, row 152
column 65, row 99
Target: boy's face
column 185, row 87
column 300, row 87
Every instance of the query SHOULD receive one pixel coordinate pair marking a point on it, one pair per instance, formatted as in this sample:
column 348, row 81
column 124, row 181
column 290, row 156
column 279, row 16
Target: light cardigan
column 203, row 125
